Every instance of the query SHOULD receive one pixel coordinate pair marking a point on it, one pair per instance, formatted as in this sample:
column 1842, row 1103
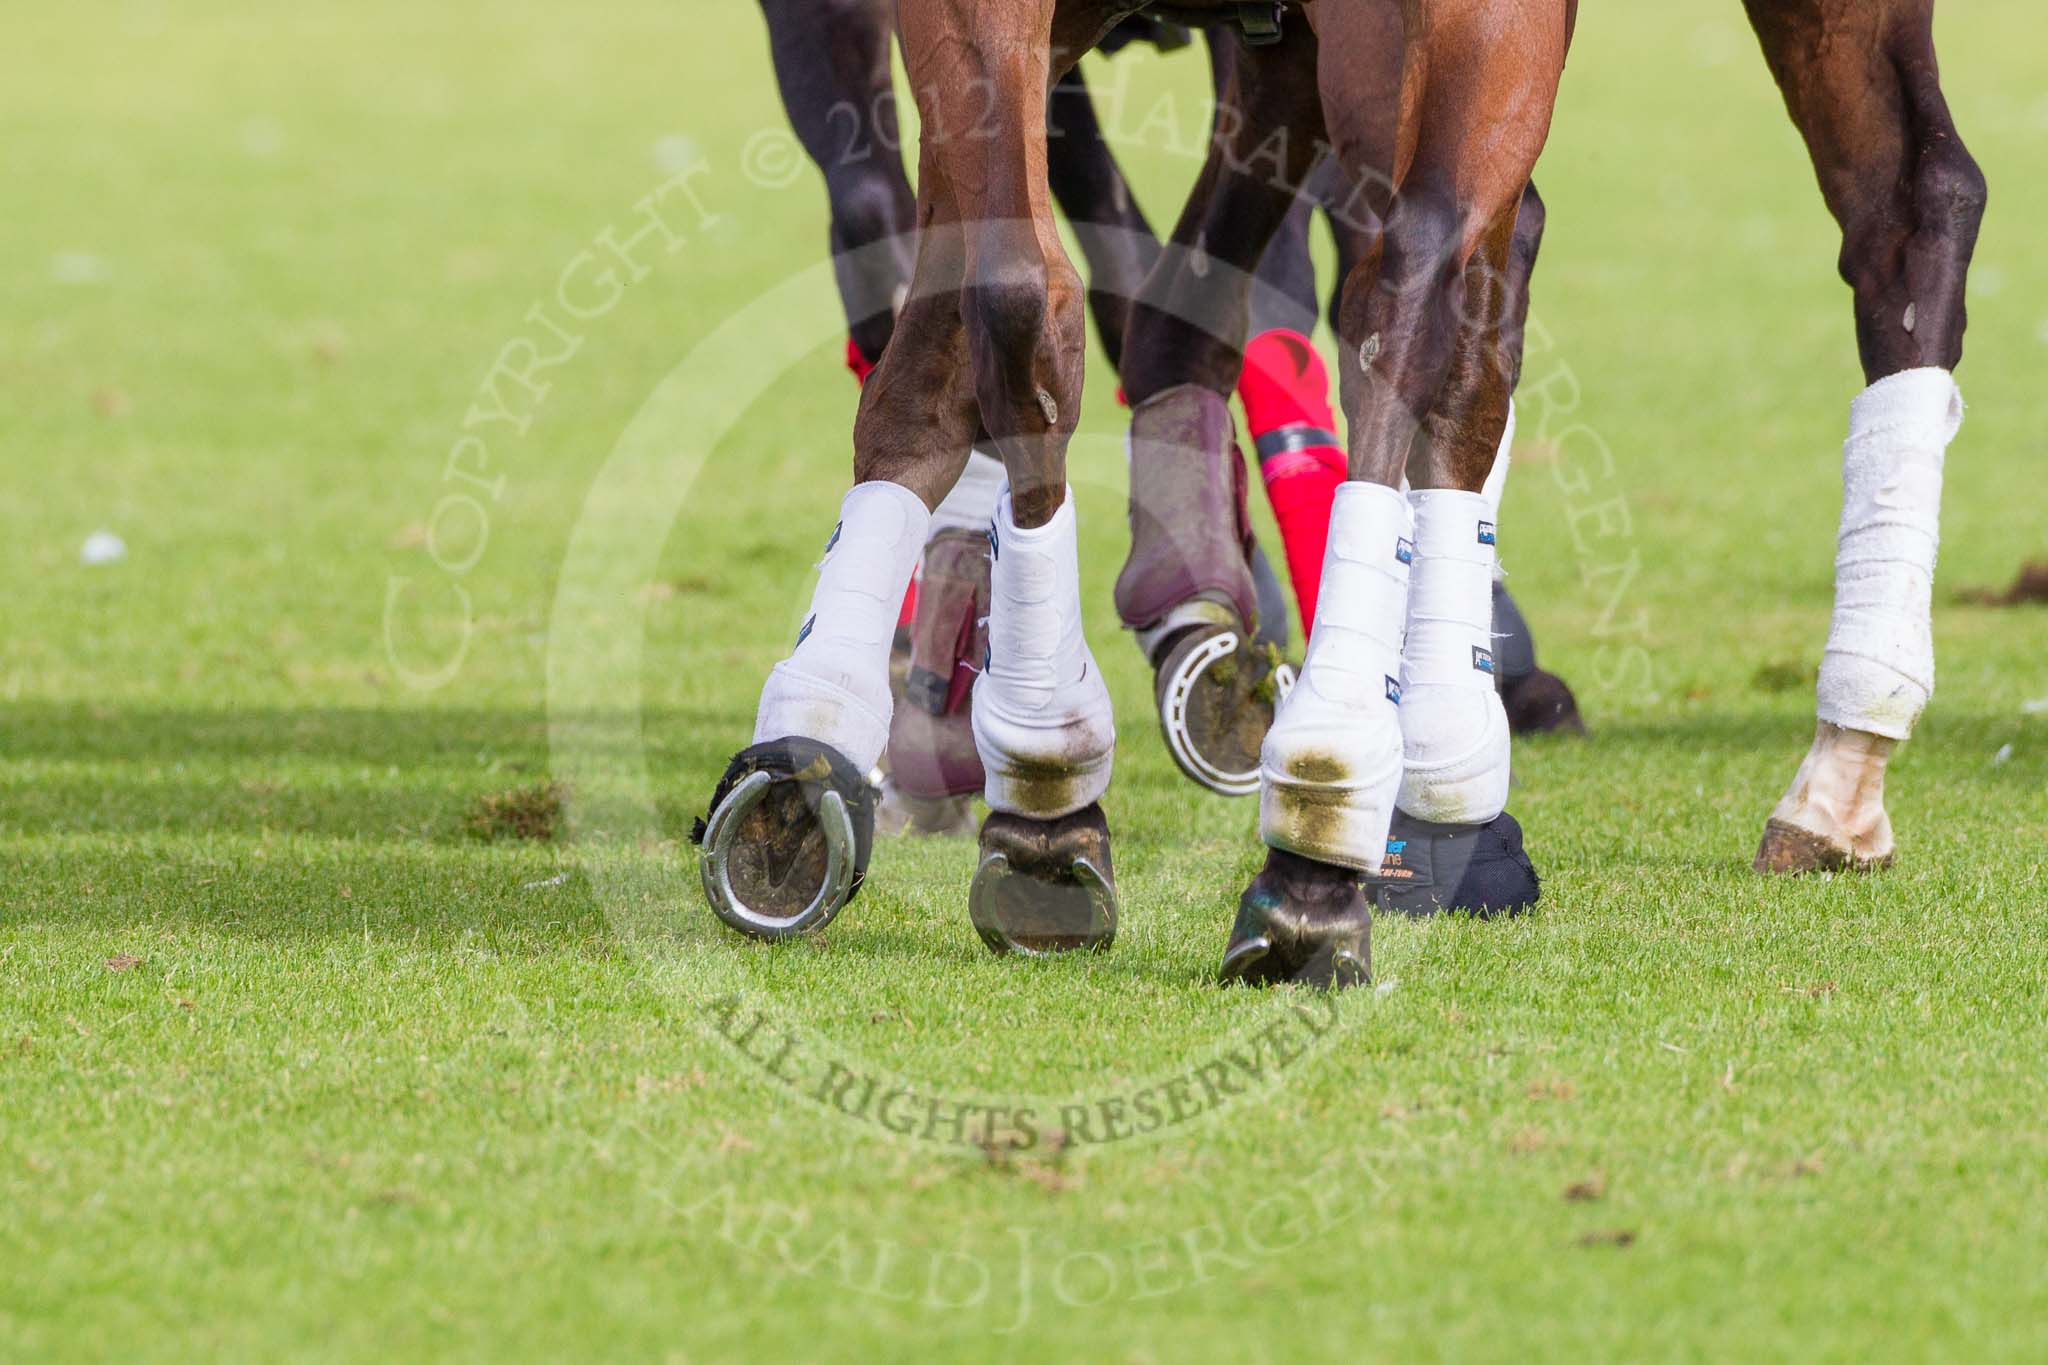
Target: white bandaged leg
column 1878, row 671
column 1454, row 730
column 971, row 506
column 1042, row 718
column 1331, row 764
column 834, row 686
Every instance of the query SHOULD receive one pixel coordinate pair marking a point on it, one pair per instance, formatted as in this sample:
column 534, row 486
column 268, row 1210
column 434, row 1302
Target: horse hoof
column 787, row 843
column 1217, row 696
column 1541, row 703
column 1303, row 922
column 1044, row 886
column 1789, row 850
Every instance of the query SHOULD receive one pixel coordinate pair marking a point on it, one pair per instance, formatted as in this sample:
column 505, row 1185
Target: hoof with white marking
column 1833, row 819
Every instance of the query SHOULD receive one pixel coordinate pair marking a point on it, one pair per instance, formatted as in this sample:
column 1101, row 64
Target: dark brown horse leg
column 792, row 820
column 1116, row 239
column 1860, row 80
column 832, row 64
column 1477, row 84
column 1042, row 717
column 1189, row 322
column 1537, row 701
column 1187, row 589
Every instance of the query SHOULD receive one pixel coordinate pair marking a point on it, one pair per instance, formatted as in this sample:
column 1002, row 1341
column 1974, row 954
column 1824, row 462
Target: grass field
column 292, row 1064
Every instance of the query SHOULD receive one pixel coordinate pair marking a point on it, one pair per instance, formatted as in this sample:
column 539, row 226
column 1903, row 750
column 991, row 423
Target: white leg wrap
column 1454, row 730
column 1331, row 764
column 971, row 506
column 1042, row 718
column 1878, row 671
column 834, row 686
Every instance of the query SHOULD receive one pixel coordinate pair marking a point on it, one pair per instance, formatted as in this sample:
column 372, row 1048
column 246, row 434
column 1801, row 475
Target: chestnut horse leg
column 1444, row 169
column 1187, row 589
column 1860, row 81
column 1043, row 723
column 792, row 820
column 832, row 63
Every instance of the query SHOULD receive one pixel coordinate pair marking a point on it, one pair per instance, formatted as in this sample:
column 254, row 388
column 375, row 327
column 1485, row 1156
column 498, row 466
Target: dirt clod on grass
column 532, row 812
column 2030, row 586
column 1039, row 1158
column 121, row 962
column 1608, row 1237
column 1783, row 676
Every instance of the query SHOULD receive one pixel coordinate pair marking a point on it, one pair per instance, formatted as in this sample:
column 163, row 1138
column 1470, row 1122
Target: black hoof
column 1217, row 695
column 1470, row 869
column 787, row 843
column 1540, row 703
column 1304, row 922
column 1044, row 886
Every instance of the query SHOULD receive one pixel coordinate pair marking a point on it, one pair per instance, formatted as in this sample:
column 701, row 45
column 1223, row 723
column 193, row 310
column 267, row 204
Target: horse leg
column 933, row 765
column 1452, row 844
column 1187, row 589
column 1538, row 702
column 1042, row 719
column 832, row 64
column 792, row 820
column 1477, row 89
column 1860, row 81
column 1116, row 239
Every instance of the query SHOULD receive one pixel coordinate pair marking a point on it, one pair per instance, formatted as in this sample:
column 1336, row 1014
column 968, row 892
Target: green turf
column 293, row 1066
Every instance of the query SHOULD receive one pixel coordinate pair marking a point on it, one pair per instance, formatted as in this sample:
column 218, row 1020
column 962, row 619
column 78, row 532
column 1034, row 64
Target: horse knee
column 1007, row 317
column 1944, row 196
column 1529, row 225
column 868, row 208
column 1426, row 242
column 1949, row 195
column 1025, row 332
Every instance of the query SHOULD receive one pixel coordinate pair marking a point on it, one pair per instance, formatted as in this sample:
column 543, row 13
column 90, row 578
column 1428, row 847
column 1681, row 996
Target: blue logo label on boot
column 837, row 527
column 1482, row 659
column 1404, row 550
column 1486, row 533
column 1393, row 691
column 805, row 633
